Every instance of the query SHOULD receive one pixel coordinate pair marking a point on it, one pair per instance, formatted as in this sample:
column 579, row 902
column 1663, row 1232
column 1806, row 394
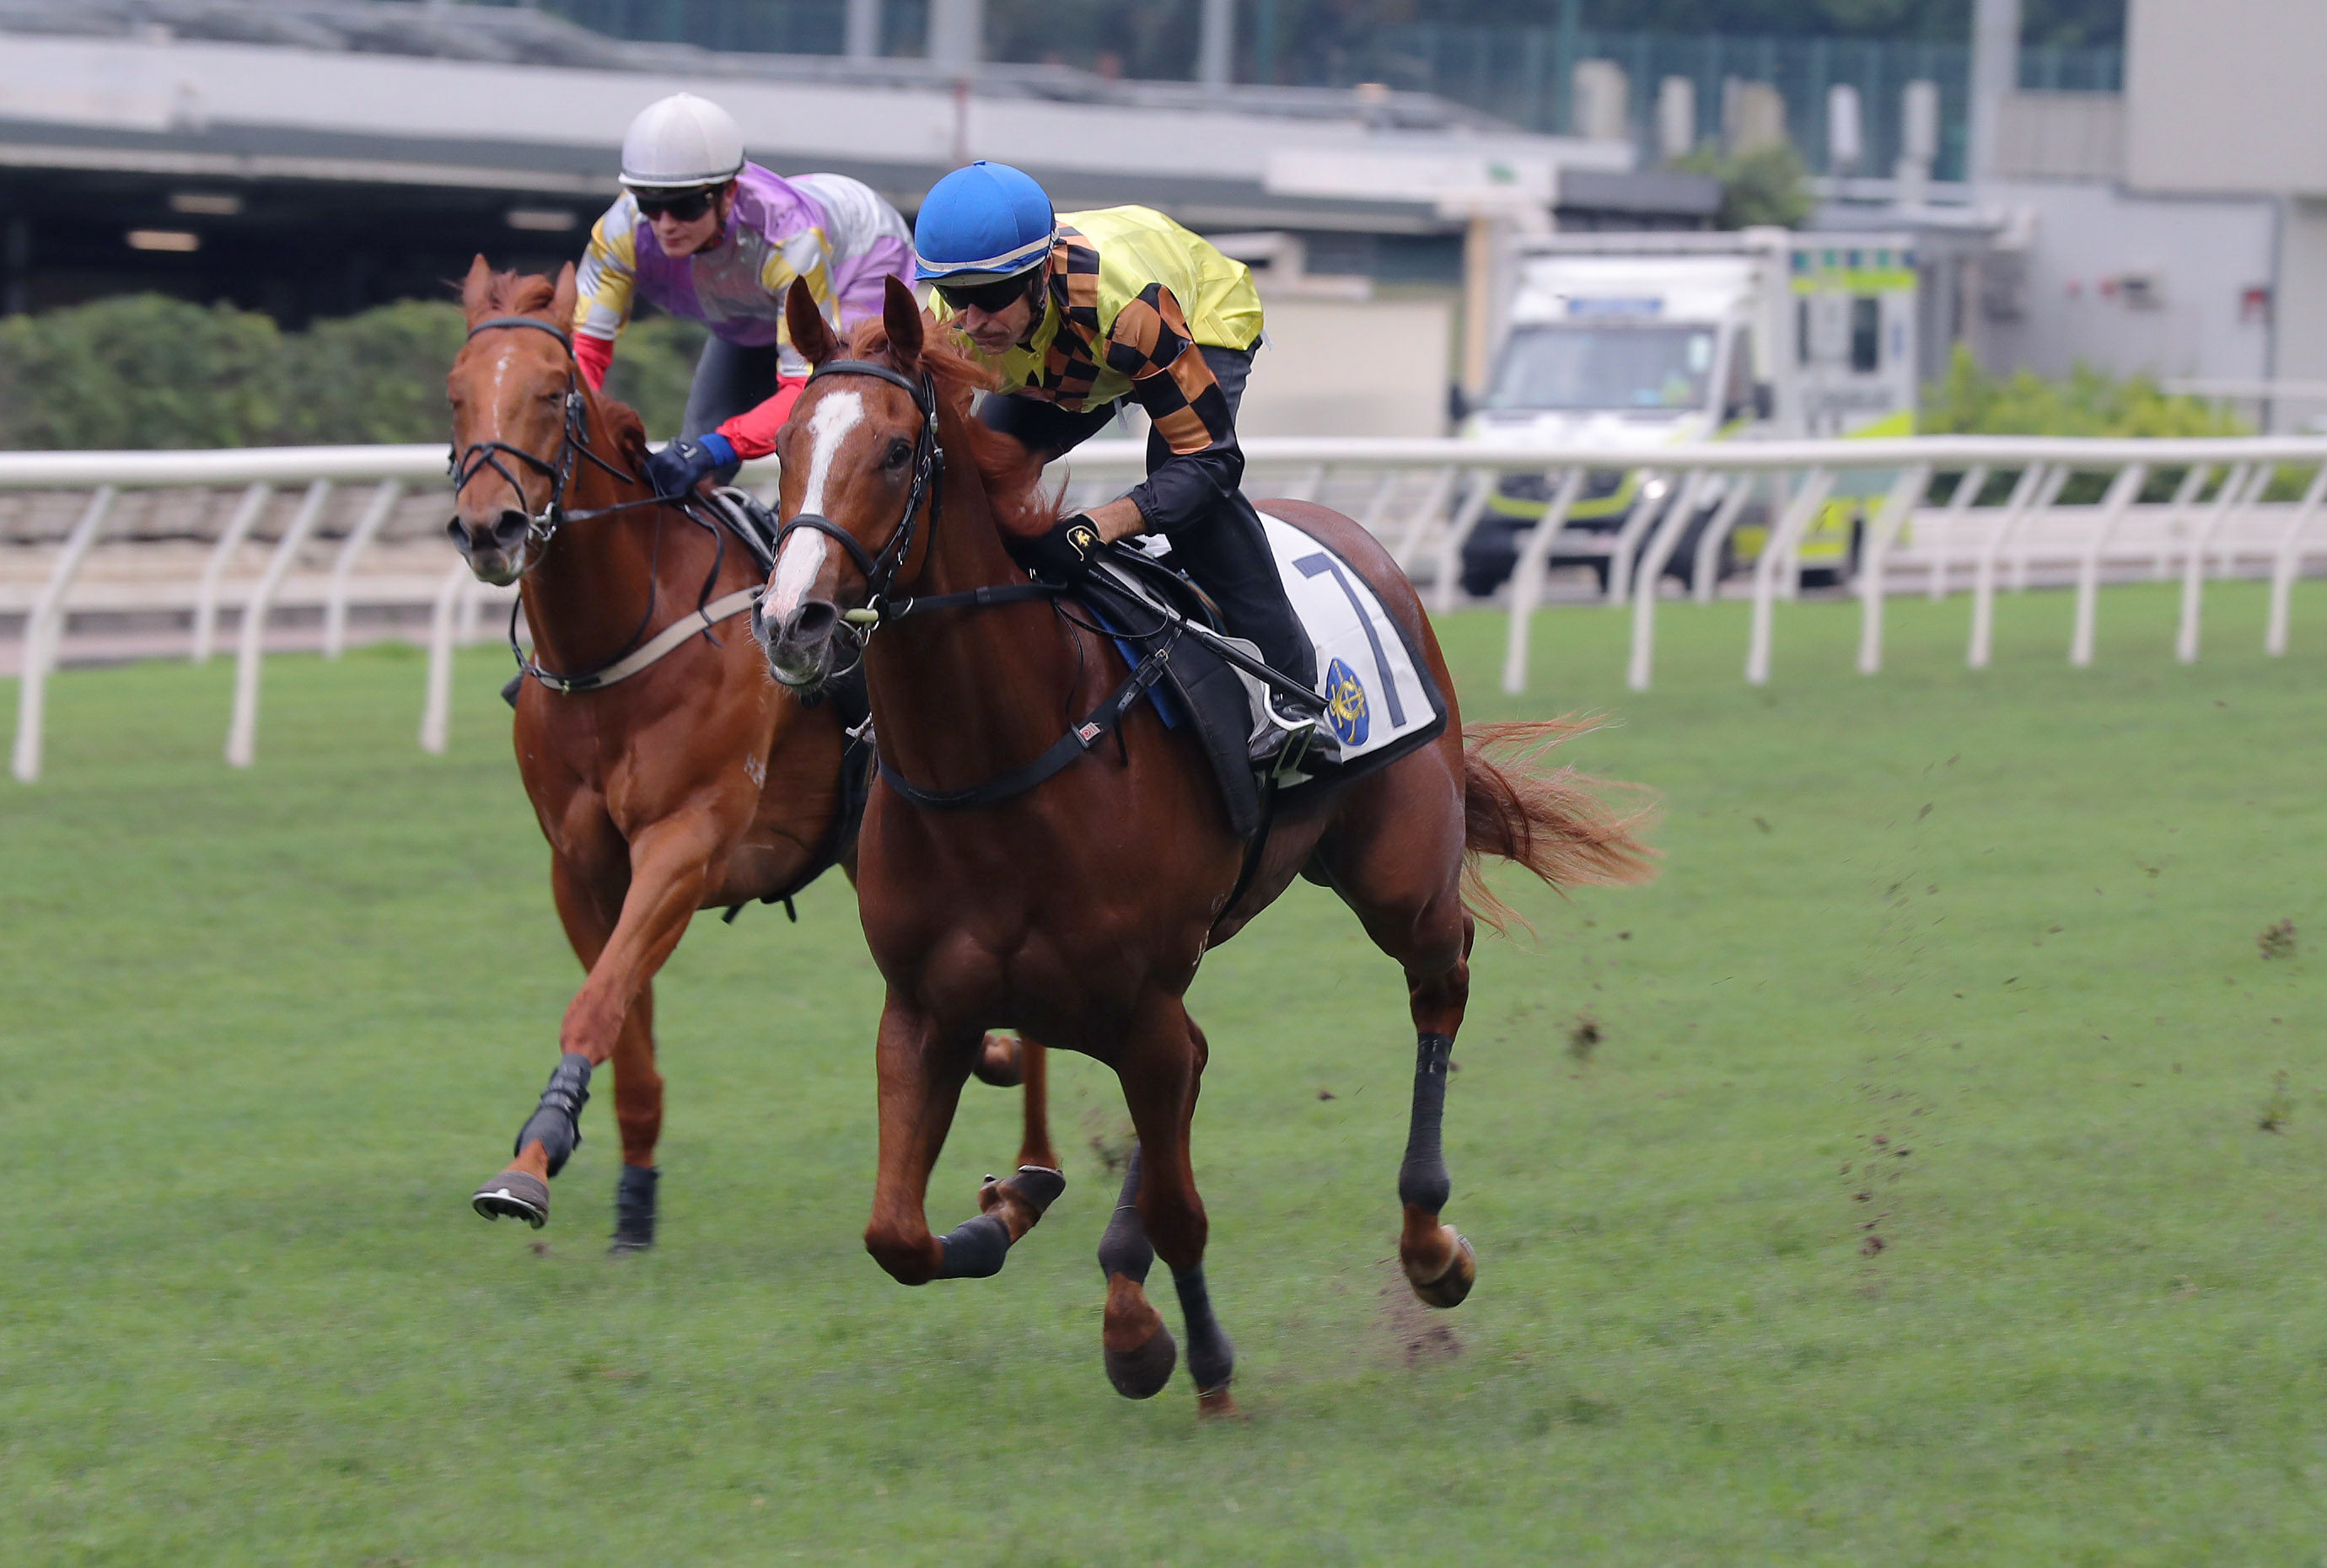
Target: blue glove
column 678, row 468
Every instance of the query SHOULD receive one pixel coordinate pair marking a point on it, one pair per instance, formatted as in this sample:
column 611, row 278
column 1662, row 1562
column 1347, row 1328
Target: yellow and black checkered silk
column 1131, row 296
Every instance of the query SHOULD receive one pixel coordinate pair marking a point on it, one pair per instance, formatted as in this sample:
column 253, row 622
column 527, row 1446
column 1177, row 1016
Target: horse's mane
column 515, row 293
column 1013, row 475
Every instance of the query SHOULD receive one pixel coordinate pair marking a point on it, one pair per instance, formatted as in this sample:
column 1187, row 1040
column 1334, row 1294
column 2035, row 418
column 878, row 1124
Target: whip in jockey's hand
column 701, row 233
column 1082, row 311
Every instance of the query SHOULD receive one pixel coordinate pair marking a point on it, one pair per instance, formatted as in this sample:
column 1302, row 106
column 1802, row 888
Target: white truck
column 1632, row 342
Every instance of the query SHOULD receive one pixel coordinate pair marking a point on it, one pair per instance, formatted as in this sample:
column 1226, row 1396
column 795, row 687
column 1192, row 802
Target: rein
column 880, row 573
column 637, row 652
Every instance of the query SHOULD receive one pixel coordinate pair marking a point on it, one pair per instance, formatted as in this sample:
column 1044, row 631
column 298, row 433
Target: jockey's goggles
column 989, row 297
column 686, row 206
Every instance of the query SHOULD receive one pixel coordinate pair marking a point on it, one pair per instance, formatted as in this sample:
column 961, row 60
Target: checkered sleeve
column 1151, row 344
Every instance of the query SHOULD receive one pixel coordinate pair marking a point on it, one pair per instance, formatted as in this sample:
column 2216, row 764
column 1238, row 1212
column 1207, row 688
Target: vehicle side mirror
column 1765, row 400
column 1458, row 402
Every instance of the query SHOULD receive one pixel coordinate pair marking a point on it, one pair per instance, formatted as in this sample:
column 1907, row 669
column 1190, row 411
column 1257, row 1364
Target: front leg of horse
column 1161, row 1070
column 669, row 869
column 921, row 1070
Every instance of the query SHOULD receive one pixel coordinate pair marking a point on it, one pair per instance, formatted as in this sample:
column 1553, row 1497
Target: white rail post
column 1704, row 580
column 1446, row 584
column 436, row 713
column 1982, row 584
column 1527, row 579
column 1378, row 505
column 44, row 627
column 2289, row 561
column 1650, row 572
column 1968, row 485
column 1905, row 492
column 206, row 597
column 1644, row 516
column 2023, row 533
column 1306, row 488
column 359, row 539
column 1407, row 551
column 242, row 730
column 2185, row 496
column 2122, row 492
column 2194, row 564
column 1816, row 484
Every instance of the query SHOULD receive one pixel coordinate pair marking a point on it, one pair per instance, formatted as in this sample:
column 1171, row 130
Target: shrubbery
column 1969, row 401
column 144, row 370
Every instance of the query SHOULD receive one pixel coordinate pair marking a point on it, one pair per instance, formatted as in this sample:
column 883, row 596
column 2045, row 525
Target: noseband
column 928, row 485
column 466, row 463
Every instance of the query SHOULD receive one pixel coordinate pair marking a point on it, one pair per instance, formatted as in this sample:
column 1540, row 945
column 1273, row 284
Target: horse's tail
column 1558, row 823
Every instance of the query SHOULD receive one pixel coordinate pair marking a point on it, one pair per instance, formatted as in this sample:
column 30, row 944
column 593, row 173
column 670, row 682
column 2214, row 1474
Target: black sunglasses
column 989, row 297
column 686, row 206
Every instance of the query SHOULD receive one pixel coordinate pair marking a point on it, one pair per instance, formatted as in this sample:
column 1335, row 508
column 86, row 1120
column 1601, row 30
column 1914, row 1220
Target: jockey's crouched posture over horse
column 1040, row 851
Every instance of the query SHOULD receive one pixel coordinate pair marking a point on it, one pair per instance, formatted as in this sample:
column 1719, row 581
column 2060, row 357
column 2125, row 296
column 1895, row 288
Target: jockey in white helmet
column 701, row 232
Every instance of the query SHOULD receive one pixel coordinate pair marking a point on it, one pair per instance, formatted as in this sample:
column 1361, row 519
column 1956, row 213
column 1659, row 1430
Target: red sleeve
column 594, row 355
column 752, row 432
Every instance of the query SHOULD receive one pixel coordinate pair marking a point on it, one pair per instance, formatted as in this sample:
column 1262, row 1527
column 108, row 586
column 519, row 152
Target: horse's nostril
column 812, row 621
column 509, row 528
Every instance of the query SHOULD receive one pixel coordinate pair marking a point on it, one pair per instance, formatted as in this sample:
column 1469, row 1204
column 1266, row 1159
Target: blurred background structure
column 2139, row 186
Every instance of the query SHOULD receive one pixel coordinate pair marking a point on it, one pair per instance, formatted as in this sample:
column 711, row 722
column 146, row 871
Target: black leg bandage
column 1211, row 1359
column 1422, row 1180
column 634, row 1205
column 1124, row 1249
column 556, row 1122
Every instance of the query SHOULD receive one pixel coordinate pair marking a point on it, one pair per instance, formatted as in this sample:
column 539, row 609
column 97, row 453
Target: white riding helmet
column 679, row 143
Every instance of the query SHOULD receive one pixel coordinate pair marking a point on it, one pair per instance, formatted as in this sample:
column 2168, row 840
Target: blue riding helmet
column 983, row 223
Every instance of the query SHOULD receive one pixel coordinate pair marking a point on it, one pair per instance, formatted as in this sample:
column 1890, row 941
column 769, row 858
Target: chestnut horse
column 1079, row 907
column 687, row 785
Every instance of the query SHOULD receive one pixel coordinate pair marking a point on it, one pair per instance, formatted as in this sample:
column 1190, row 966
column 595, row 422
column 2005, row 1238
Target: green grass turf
column 1965, row 962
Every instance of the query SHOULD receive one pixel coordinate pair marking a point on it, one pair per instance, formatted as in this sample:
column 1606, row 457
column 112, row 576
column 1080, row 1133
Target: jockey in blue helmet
column 1081, row 310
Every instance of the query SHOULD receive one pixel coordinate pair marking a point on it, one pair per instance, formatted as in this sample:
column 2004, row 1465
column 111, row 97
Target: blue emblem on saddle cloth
column 1345, row 703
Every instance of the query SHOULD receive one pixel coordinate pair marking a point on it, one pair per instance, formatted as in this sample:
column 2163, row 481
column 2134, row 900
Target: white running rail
column 1926, row 506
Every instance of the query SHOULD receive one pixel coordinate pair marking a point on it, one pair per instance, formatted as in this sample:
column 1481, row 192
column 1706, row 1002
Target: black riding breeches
column 730, row 378
column 1226, row 552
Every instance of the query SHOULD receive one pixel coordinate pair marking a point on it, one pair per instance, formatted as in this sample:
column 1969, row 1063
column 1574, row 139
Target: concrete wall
column 2302, row 305
column 1352, row 368
column 2225, row 95
column 2127, row 283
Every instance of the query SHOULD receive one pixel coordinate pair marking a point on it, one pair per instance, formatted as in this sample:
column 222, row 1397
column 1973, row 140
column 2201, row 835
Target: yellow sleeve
column 804, row 255
column 605, row 282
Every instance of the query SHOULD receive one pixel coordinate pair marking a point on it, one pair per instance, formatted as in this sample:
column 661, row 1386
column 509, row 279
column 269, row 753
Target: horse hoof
column 1450, row 1288
column 517, row 1194
column 998, row 1062
column 1216, row 1404
column 1141, row 1374
column 624, row 1246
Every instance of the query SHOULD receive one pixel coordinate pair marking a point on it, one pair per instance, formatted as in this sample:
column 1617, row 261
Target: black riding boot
column 1229, row 556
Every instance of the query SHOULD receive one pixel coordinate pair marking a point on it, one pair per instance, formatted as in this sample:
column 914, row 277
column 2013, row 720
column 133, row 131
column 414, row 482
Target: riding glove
column 679, row 467
column 1064, row 555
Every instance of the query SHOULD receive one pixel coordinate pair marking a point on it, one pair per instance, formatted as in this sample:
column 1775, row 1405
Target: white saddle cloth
column 1375, row 697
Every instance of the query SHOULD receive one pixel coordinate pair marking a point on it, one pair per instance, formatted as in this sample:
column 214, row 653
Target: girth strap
column 694, row 623
column 1102, row 722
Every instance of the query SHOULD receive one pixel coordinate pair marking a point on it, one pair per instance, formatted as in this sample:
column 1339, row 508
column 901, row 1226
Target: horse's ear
column 477, row 288
column 561, row 302
column 902, row 314
column 811, row 333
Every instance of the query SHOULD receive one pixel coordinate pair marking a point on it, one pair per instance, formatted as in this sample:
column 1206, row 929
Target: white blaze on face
column 836, row 413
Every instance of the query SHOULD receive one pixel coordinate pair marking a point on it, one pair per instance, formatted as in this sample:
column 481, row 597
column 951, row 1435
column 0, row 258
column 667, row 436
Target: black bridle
column 929, row 486
column 464, row 463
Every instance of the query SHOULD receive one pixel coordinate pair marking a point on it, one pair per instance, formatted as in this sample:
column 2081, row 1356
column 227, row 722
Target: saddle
column 1147, row 604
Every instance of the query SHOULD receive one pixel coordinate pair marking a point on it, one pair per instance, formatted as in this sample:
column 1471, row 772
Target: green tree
column 139, row 371
column 375, row 376
column 1769, row 185
column 654, row 365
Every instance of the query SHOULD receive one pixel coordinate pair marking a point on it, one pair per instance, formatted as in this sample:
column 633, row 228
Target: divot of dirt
column 1419, row 1336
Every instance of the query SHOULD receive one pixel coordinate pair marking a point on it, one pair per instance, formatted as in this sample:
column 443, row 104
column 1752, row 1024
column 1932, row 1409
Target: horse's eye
column 898, row 450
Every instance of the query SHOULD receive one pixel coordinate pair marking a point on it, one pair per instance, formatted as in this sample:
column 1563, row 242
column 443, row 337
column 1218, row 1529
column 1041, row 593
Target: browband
column 535, row 323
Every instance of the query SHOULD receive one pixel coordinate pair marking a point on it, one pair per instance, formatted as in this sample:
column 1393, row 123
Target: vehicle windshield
column 1604, row 366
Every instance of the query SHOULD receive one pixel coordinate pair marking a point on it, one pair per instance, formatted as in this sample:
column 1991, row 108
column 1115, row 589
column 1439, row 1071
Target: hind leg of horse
column 638, row 1112
column 1406, row 888
column 670, row 867
column 921, row 1067
column 1161, row 1067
